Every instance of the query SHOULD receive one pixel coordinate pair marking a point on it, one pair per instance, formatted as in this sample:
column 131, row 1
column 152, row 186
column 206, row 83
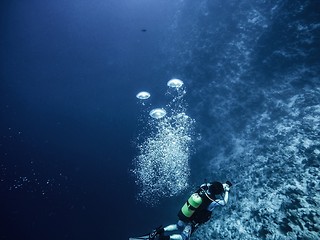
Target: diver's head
column 216, row 188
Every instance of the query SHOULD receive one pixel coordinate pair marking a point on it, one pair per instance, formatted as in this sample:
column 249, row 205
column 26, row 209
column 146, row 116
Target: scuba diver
column 196, row 211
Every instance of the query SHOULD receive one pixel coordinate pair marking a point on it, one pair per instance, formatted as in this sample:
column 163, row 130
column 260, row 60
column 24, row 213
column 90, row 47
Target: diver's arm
column 218, row 202
column 226, row 193
column 226, row 197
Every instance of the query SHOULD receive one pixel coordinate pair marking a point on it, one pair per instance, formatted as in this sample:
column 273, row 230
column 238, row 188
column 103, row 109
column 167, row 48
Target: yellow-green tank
column 191, row 205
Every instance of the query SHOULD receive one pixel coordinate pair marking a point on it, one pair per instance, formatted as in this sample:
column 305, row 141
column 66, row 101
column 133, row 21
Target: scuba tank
column 190, row 206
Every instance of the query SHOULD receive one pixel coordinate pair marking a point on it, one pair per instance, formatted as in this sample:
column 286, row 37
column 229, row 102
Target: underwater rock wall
column 254, row 71
column 275, row 164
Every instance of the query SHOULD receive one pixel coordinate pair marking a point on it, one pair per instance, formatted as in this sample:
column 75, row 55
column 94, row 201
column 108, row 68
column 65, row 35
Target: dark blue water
column 70, row 120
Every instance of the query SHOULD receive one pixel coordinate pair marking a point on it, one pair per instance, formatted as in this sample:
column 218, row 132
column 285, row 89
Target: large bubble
column 157, row 113
column 143, row 95
column 175, row 83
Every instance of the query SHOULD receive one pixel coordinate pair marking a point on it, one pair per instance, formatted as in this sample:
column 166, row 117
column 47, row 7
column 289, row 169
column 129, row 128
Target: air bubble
column 158, row 113
column 143, row 95
column 175, row 83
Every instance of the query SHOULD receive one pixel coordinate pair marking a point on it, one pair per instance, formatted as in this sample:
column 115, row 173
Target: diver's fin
column 138, row 238
column 142, row 237
column 151, row 236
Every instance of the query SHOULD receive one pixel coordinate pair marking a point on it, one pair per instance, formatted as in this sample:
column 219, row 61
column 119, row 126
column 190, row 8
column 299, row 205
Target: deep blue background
column 69, row 74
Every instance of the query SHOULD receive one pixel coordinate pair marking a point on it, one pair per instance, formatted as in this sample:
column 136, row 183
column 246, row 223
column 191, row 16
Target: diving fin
column 151, row 236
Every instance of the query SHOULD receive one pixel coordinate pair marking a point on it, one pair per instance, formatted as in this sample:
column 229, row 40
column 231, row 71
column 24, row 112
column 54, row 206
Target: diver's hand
column 226, row 187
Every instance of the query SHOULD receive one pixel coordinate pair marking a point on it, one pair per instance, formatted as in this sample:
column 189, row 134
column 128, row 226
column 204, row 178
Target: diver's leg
column 173, row 237
column 170, row 228
column 180, row 226
column 175, row 227
column 164, row 233
column 185, row 235
column 176, row 237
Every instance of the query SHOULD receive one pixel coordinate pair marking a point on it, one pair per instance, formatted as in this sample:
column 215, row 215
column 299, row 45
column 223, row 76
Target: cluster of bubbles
column 158, row 113
column 162, row 166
